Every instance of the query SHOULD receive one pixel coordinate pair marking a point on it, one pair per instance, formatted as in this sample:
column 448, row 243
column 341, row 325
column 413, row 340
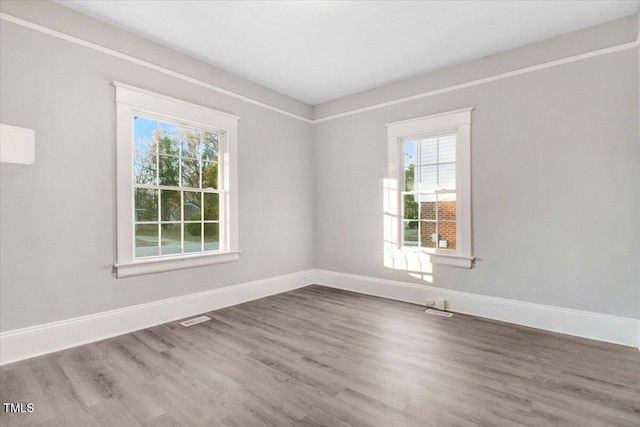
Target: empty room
column 319, row 213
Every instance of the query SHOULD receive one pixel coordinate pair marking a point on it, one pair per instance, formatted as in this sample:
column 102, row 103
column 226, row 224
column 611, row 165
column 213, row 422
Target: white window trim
column 458, row 121
column 131, row 101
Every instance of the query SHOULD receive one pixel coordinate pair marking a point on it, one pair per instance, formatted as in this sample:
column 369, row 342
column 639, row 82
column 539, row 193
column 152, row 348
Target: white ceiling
column 316, row 51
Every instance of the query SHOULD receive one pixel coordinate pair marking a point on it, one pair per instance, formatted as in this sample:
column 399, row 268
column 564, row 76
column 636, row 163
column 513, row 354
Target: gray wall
column 555, row 188
column 57, row 217
column 556, row 194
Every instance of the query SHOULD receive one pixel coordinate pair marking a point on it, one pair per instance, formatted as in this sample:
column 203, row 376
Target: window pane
column 429, row 151
column 146, row 204
column 428, row 210
column 410, row 158
column 169, row 141
column 146, row 240
column 144, row 134
column 171, row 239
column 170, row 205
column 169, row 170
column 193, row 237
column 211, row 236
column 145, row 167
column 428, row 178
column 447, row 232
column 447, row 207
column 410, row 206
column 209, row 175
column 190, row 173
column 209, row 146
column 427, row 231
column 447, row 147
column 410, row 233
column 192, row 203
column 211, row 206
column 447, row 175
column 191, row 140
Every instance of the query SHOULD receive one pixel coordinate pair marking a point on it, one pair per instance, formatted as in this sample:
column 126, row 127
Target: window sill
column 452, row 260
column 159, row 265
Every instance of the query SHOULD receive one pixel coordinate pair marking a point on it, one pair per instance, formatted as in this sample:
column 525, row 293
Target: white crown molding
column 137, row 61
column 38, row 340
column 129, row 58
column 525, row 70
column 585, row 324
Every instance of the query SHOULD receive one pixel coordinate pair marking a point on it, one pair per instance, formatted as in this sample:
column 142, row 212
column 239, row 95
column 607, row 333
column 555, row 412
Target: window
column 429, row 159
column 429, row 196
column 176, row 180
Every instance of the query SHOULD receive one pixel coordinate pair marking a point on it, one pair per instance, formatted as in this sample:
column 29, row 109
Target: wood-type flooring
column 323, row 357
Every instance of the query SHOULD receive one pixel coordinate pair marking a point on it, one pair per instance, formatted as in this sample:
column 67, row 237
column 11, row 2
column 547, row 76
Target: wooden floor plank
column 323, row 357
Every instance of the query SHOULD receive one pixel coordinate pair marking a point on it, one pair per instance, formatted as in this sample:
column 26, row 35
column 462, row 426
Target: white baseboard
column 596, row 326
column 34, row 341
column 37, row 340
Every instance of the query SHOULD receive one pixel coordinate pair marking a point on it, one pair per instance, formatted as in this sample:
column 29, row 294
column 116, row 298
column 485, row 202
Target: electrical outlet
column 441, row 304
column 430, row 303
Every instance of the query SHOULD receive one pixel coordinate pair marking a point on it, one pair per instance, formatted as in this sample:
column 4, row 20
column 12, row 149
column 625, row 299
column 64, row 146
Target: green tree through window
column 177, row 188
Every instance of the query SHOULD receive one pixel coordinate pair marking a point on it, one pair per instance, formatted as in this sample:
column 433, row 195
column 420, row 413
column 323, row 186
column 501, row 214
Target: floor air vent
column 195, row 321
column 438, row 313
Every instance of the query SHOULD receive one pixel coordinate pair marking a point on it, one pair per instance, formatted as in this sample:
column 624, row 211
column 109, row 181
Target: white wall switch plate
column 17, row 145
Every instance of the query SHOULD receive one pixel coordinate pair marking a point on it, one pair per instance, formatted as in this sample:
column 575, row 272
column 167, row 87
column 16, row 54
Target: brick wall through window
column 444, row 223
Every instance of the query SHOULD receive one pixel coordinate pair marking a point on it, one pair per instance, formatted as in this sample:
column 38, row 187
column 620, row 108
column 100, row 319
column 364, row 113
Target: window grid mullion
column 418, row 165
column 222, row 200
column 437, row 206
column 437, row 203
column 437, row 165
column 182, row 226
column 402, row 185
column 202, row 222
column 202, row 207
column 176, row 188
